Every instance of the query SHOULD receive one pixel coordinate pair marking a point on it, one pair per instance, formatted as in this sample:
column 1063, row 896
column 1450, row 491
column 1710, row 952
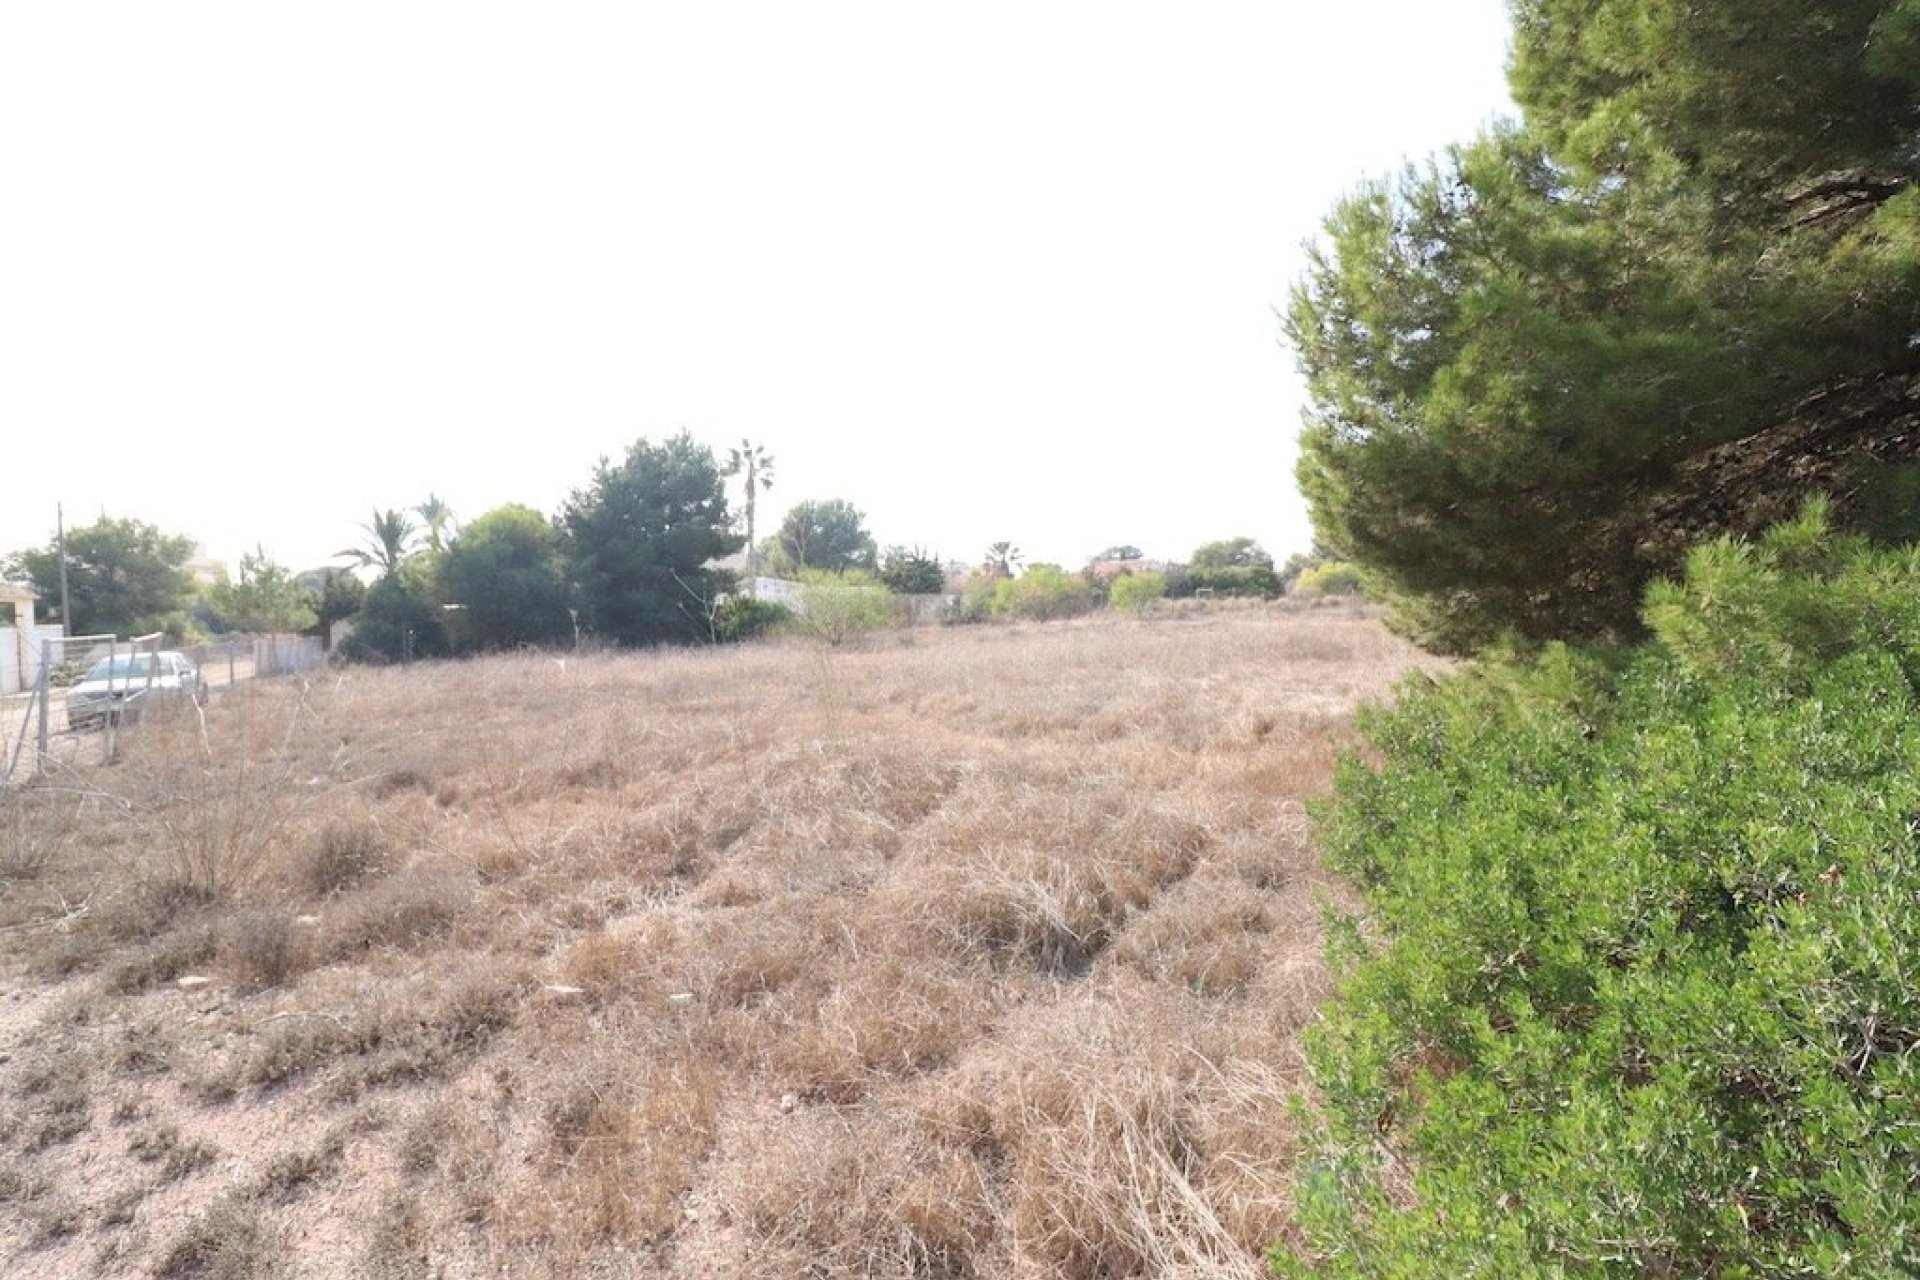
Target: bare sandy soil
column 971, row 952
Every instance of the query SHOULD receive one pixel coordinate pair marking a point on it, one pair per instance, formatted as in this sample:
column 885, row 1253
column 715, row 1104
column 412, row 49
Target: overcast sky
column 989, row 271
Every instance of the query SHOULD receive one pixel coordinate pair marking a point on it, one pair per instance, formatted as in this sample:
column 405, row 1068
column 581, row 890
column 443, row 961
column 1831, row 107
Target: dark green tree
column 1230, row 567
column 829, row 535
column 337, row 594
column 911, row 571
column 502, row 574
column 402, row 619
column 641, row 539
column 124, row 576
column 1678, row 297
column 1230, row 553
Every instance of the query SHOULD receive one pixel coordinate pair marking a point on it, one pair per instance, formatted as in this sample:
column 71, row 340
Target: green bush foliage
column 401, row 620
column 1334, row 578
column 836, row 607
column 1042, row 593
column 912, row 571
column 744, row 618
column 1639, row 991
column 1133, row 592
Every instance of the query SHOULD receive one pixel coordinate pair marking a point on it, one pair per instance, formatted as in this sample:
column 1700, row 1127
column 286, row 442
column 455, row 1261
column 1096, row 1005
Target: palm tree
column 439, row 518
column 757, row 463
column 1002, row 559
column 386, row 546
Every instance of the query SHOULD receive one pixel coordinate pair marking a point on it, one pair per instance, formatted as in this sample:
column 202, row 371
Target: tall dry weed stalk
column 211, row 800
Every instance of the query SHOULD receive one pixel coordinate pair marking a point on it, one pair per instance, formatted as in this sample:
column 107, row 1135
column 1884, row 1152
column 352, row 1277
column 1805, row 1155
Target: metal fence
column 34, row 725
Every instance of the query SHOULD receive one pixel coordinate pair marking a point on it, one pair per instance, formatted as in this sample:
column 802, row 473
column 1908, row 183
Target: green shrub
column 1042, row 593
column 976, row 596
column 1133, row 592
column 1640, row 993
column 911, row 571
column 744, row 618
column 836, row 607
column 1335, row 578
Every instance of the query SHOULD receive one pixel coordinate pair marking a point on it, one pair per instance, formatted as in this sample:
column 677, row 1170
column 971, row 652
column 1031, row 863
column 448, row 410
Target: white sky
column 989, row 271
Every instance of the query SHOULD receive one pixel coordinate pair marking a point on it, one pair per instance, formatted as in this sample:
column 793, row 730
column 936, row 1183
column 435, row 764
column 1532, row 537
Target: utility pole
column 60, row 536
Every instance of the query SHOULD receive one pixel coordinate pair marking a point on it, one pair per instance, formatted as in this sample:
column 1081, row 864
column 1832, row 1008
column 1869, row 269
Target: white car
column 120, row 685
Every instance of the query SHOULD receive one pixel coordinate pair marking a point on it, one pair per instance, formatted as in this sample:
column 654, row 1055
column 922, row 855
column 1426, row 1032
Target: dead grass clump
column 1100, row 1132
column 231, row 1241
column 52, row 1099
column 391, row 1030
column 890, row 1018
column 1045, row 881
column 37, row 827
column 860, row 1193
column 743, row 957
column 397, row 1246
column 1207, row 935
column 341, row 856
column 395, row 781
column 262, row 948
column 288, row 1174
column 622, row 1148
column 188, row 945
column 407, row 910
column 176, row 1156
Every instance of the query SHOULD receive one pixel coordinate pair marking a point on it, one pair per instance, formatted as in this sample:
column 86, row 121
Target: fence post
column 107, row 721
column 45, row 688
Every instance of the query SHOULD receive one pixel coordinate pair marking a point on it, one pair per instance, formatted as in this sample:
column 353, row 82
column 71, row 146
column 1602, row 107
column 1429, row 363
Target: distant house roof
column 16, row 591
column 1104, row 569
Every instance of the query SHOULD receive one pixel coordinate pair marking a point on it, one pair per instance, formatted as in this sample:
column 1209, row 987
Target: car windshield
column 128, row 666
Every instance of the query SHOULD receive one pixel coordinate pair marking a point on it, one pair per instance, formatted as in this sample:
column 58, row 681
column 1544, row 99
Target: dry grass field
column 967, row 952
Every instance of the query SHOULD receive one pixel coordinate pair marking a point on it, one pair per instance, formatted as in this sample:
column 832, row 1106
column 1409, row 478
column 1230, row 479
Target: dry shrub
column 341, row 855
column 407, row 910
column 262, row 948
column 209, row 802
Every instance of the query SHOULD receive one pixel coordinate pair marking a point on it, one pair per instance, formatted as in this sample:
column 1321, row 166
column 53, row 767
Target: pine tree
column 1681, row 295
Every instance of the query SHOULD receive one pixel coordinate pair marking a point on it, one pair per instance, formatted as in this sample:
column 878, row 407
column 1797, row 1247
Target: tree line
column 631, row 558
